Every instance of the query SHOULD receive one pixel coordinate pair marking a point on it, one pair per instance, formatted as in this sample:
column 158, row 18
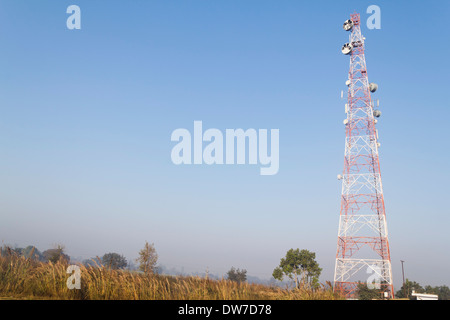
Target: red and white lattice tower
column 363, row 248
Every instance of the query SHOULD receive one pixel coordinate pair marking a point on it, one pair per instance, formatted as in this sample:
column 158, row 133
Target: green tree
column 237, row 275
column 409, row 286
column 114, row 261
column 10, row 251
column 364, row 293
column 56, row 254
column 443, row 292
column 299, row 266
column 32, row 253
column 147, row 259
column 92, row 262
column 18, row 251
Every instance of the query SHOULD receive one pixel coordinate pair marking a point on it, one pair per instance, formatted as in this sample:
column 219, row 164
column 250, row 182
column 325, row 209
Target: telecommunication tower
column 363, row 248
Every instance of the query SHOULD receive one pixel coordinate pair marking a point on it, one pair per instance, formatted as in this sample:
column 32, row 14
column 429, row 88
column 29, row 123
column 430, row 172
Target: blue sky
column 86, row 117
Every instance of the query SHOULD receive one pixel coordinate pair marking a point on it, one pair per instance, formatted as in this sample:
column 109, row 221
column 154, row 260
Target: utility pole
column 405, row 293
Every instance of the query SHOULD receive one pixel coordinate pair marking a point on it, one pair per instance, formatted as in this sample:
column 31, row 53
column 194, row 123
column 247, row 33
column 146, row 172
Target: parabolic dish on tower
column 347, row 48
column 373, row 87
column 348, row 25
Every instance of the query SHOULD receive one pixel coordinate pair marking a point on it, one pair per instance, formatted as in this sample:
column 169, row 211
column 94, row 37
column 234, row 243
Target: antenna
column 362, row 236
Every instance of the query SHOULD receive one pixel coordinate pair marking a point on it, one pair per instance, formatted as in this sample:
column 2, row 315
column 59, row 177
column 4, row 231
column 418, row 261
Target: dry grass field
column 22, row 278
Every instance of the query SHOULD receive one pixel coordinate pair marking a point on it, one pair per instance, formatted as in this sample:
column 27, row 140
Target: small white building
column 423, row 296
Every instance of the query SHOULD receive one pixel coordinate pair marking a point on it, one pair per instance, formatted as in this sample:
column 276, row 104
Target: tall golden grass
column 25, row 278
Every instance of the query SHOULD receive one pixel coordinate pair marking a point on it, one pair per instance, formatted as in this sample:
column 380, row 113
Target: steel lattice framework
column 363, row 244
